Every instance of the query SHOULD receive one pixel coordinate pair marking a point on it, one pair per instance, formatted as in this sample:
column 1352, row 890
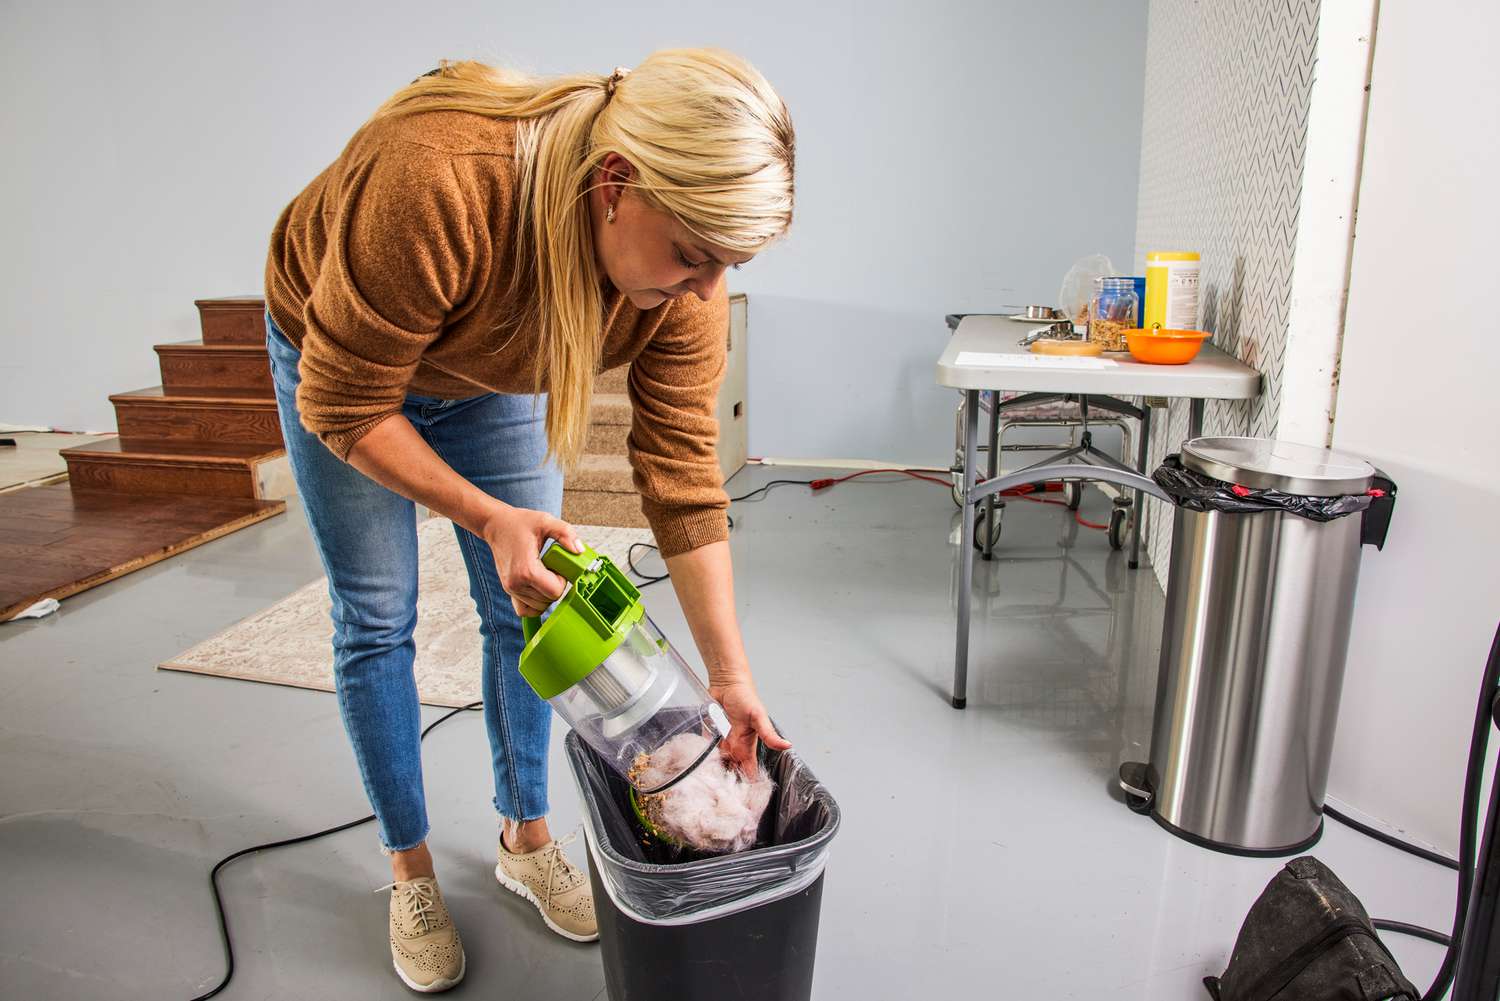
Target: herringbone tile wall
column 1222, row 140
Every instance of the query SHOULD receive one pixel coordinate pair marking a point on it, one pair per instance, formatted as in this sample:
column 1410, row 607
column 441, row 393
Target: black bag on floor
column 1307, row 938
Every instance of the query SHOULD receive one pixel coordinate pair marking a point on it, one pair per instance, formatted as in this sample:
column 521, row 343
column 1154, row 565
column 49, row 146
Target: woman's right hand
column 516, row 536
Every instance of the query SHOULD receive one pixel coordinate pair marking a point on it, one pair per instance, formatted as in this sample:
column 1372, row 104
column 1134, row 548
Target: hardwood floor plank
column 58, row 541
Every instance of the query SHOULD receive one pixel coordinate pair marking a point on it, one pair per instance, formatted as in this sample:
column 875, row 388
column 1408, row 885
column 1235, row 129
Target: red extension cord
column 1024, row 492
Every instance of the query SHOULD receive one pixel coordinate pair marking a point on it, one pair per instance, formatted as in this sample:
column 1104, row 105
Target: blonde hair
column 711, row 142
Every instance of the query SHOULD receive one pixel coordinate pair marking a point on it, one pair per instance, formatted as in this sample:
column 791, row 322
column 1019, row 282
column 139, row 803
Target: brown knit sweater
column 390, row 272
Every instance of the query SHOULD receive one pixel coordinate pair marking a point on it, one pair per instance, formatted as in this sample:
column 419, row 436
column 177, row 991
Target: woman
column 440, row 300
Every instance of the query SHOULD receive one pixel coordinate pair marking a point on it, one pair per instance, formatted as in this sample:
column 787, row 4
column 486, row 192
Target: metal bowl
column 1040, row 313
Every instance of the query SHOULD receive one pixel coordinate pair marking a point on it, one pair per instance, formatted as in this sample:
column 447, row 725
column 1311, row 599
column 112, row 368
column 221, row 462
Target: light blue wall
column 952, row 156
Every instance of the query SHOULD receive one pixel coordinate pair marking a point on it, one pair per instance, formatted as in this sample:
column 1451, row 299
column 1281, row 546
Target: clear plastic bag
column 789, row 853
column 1078, row 287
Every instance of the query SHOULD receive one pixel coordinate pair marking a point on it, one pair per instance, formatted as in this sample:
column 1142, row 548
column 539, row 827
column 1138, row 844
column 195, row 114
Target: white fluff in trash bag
column 713, row 809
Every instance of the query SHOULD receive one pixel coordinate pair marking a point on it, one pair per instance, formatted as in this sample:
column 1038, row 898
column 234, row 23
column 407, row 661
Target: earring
column 609, row 212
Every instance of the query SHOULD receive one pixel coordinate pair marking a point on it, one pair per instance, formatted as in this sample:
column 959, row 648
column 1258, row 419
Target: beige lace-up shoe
column 425, row 947
column 555, row 885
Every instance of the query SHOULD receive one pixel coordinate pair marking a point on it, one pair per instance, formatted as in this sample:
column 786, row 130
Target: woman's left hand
column 748, row 720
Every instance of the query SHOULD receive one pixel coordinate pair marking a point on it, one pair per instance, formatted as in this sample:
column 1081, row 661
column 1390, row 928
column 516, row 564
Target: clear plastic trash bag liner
column 796, row 832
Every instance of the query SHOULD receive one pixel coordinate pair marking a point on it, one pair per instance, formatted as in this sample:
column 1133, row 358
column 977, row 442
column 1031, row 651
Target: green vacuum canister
column 610, row 672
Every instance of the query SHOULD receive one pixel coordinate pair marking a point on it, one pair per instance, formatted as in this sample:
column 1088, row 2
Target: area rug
column 290, row 642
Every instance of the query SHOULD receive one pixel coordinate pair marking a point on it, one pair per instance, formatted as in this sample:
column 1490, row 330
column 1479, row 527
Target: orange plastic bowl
column 1165, row 347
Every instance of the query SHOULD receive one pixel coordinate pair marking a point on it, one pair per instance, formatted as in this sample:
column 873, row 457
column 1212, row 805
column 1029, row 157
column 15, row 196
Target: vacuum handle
column 569, row 566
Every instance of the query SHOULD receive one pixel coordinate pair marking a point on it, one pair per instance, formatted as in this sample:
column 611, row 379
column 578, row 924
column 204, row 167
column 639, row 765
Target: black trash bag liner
column 656, row 884
column 1196, row 492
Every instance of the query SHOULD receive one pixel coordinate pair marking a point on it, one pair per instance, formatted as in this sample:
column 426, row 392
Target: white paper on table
column 988, row 359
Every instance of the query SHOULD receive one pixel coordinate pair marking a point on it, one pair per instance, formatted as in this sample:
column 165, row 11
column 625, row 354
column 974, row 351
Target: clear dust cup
column 611, row 673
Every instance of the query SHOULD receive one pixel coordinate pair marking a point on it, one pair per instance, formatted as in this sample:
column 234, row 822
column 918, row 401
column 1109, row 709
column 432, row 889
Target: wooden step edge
column 592, row 490
column 238, row 396
column 610, row 405
column 233, row 303
column 216, row 348
column 602, row 485
column 151, row 453
column 613, row 381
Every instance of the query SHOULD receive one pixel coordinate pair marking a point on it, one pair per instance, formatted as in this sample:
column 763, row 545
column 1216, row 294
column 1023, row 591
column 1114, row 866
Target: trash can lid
column 1266, row 464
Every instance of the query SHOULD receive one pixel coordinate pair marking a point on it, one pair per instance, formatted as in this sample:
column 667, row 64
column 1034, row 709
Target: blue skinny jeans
column 367, row 538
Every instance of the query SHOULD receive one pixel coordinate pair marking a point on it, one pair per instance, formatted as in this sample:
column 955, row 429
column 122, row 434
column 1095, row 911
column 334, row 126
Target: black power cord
column 1468, row 832
column 1485, row 716
column 822, row 483
column 647, row 579
column 766, row 488
column 1399, row 927
column 1394, row 842
column 213, row 877
column 1415, row 931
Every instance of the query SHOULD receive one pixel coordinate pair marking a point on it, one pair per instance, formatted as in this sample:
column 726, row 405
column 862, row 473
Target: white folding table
column 984, row 353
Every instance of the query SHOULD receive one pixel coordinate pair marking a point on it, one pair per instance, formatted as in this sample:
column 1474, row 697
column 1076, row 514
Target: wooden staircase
column 209, row 430
column 198, row 457
column 201, row 455
column 601, row 491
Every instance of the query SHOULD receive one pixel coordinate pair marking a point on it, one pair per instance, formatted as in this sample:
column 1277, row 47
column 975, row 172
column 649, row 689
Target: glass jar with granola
column 1113, row 310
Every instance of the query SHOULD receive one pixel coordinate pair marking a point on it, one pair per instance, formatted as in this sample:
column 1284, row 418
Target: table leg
column 1195, row 419
column 993, row 467
column 1142, row 456
column 965, row 554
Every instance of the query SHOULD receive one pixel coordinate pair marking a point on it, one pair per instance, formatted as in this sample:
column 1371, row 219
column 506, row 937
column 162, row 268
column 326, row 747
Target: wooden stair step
column 195, row 365
column 587, row 507
column 601, row 491
column 612, row 381
column 233, row 414
column 609, row 408
column 607, row 439
column 123, row 449
column 235, row 319
column 192, row 468
column 606, row 473
column 609, row 424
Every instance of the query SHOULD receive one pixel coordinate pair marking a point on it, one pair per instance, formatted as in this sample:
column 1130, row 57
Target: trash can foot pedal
column 1136, row 785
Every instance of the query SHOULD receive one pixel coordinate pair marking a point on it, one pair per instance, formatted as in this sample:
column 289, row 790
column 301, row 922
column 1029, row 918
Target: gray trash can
column 741, row 927
column 1266, row 547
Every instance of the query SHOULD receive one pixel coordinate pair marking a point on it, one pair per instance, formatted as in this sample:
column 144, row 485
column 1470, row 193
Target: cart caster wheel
column 979, row 528
column 1075, row 495
column 958, row 490
column 1119, row 528
column 1138, row 804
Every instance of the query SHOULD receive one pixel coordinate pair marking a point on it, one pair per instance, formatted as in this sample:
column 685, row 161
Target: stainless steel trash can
column 1255, row 636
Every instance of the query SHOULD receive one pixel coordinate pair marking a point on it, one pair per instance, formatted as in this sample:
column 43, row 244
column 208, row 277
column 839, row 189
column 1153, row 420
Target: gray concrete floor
column 982, row 853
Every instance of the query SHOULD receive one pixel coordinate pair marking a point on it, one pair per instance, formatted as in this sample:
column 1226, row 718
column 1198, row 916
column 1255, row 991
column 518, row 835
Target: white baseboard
column 836, row 463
